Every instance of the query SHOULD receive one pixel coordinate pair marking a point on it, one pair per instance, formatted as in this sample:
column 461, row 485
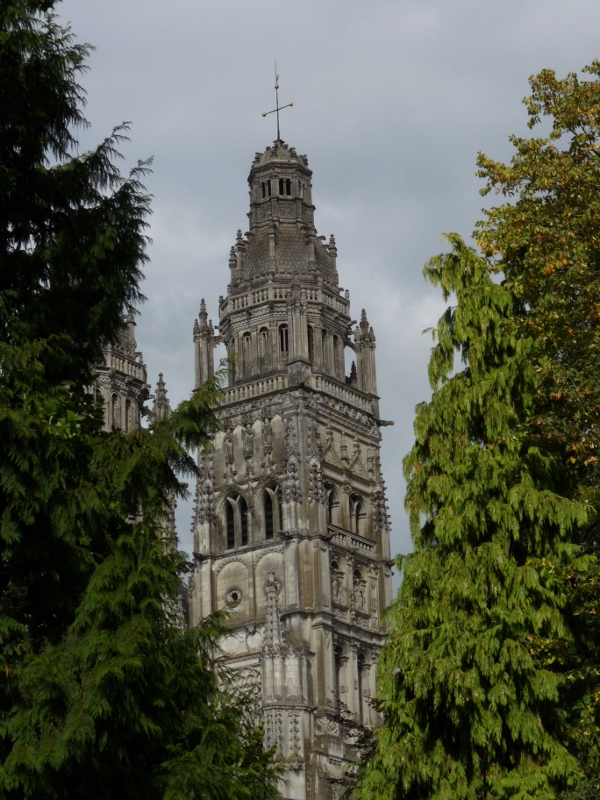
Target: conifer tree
column 103, row 692
column 489, row 681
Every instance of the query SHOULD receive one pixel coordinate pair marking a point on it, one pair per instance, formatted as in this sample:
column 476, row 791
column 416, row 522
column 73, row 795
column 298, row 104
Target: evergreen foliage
column 103, row 692
column 489, row 681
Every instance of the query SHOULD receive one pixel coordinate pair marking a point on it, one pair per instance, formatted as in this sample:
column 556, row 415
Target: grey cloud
column 391, row 102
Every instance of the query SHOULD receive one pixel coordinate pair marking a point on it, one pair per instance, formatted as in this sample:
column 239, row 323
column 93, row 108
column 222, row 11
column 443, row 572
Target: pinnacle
column 161, row 408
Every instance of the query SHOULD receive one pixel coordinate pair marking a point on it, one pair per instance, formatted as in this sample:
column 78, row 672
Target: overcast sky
column 392, row 100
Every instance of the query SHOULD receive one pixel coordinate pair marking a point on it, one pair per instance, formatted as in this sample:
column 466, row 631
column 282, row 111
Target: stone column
column 353, row 701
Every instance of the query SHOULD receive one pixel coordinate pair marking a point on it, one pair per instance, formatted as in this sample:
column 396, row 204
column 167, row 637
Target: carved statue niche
column 229, row 446
column 248, row 440
column 267, row 435
column 338, row 591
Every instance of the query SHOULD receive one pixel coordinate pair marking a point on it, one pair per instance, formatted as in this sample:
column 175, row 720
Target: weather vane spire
column 277, row 108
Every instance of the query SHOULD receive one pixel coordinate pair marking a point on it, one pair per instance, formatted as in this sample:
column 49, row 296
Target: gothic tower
column 291, row 527
column 121, row 380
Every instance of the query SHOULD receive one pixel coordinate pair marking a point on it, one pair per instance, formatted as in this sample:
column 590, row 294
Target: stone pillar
column 353, row 701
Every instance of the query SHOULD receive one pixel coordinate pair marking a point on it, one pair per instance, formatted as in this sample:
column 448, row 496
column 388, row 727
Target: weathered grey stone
column 291, row 521
column 122, row 381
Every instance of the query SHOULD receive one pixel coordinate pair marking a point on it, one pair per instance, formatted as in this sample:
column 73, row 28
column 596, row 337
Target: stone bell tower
column 121, row 380
column 291, row 527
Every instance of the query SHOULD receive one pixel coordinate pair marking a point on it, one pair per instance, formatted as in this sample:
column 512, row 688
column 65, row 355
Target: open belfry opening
column 291, row 529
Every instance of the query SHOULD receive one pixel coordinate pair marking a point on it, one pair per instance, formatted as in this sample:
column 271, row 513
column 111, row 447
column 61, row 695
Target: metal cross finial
column 277, row 108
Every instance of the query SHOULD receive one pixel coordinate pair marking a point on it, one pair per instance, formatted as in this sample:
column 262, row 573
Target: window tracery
column 236, row 521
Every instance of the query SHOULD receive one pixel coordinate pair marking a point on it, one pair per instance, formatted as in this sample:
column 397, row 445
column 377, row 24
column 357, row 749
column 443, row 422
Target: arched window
column 283, row 341
column 332, row 503
column 280, row 185
column 357, row 514
column 288, row 187
column 263, row 189
column 279, row 510
column 311, row 343
column 243, row 520
column 269, row 188
column 230, row 524
column 236, row 521
column 268, row 513
column 271, row 510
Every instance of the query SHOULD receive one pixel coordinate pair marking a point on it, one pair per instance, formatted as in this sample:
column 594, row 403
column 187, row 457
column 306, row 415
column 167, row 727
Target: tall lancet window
column 236, row 521
column 357, row 514
column 284, row 347
column 271, row 510
column 229, row 524
column 268, row 515
column 311, row 343
column 332, row 504
column 243, row 521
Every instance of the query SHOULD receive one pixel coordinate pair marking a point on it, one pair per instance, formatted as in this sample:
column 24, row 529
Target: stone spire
column 161, row 408
column 204, row 345
column 364, row 338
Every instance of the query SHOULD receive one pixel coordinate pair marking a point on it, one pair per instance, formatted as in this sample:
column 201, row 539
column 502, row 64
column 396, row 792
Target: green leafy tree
column 489, row 680
column 103, row 692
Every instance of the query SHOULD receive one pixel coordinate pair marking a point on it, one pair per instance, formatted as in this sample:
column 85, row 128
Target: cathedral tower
column 121, row 380
column 291, row 527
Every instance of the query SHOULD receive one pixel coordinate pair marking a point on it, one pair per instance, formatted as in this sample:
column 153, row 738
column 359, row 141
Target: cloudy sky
column 392, row 100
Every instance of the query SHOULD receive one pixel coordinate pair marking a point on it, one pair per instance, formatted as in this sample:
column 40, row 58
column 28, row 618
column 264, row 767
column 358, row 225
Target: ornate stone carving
column 205, row 502
column 219, row 567
column 298, row 374
column 291, row 482
column 316, row 493
column 248, row 440
column 291, row 422
column 248, row 681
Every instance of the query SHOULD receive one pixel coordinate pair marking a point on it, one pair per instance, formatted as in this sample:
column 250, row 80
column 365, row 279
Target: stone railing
column 321, row 383
column 351, row 541
column 126, row 366
column 334, row 302
column 268, row 293
column 245, row 391
column 324, row 384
